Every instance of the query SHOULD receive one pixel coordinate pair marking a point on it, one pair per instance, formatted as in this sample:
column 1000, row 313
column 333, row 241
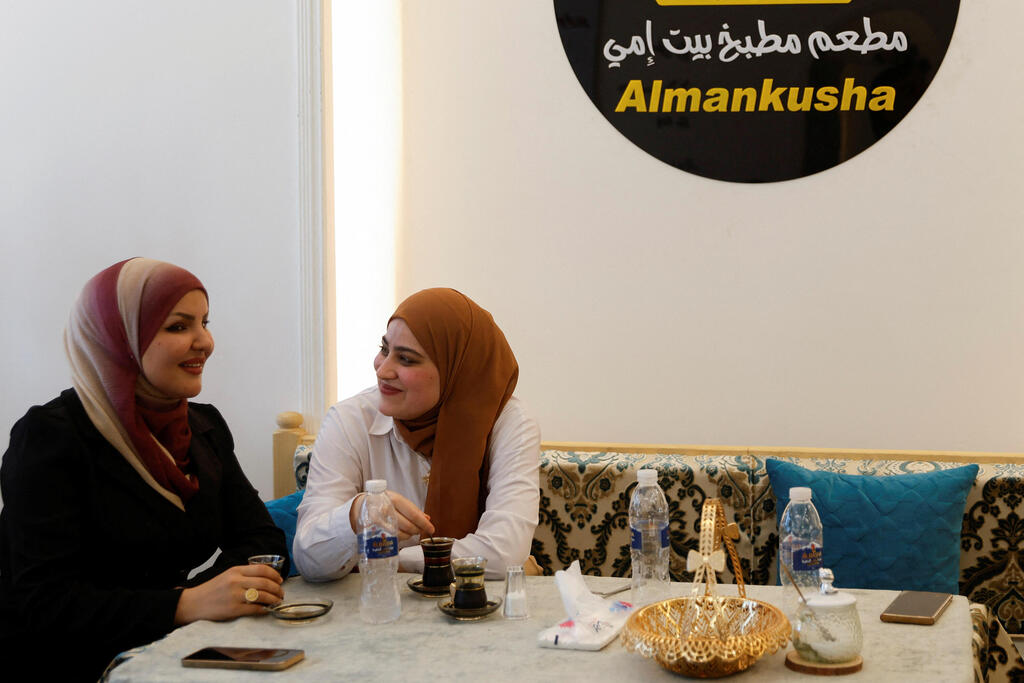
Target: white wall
column 166, row 129
column 875, row 305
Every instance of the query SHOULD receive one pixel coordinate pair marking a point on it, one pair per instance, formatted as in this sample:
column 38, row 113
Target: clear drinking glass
column 469, row 582
column 274, row 561
column 514, row 606
column 437, row 561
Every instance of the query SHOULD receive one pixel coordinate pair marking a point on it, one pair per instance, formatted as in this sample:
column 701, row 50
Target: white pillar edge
column 311, row 218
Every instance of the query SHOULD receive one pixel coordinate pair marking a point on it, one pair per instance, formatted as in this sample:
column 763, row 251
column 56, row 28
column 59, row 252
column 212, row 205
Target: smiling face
column 173, row 362
column 409, row 382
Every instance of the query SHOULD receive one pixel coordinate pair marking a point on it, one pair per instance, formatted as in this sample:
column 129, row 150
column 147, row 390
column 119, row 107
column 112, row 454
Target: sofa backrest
column 585, row 491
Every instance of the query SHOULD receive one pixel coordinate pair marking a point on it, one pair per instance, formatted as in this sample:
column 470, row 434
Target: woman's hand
column 223, row 596
column 411, row 520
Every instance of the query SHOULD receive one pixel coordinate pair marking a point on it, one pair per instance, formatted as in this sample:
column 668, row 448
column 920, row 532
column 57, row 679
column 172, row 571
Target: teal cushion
column 894, row 532
column 284, row 512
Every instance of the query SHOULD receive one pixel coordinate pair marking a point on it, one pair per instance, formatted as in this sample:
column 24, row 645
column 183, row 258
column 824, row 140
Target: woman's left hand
column 235, row 592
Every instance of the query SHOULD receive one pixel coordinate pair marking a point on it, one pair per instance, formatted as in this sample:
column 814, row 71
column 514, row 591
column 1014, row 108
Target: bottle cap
column 647, row 477
column 376, row 486
column 800, row 493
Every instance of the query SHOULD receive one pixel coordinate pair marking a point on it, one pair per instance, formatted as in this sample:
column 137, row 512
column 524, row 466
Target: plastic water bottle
column 800, row 540
column 378, row 556
column 649, row 547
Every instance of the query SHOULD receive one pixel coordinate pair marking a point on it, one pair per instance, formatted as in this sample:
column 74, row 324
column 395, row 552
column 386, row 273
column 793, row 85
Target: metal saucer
column 429, row 591
column 472, row 614
column 301, row 610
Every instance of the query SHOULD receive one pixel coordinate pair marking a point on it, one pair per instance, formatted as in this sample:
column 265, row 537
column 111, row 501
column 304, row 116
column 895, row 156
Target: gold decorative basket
column 708, row 636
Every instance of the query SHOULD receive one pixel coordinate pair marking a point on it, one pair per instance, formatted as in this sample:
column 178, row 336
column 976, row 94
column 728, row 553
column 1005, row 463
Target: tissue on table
column 592, row 622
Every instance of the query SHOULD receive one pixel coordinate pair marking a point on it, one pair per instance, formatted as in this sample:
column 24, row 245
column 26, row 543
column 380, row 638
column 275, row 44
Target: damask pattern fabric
column 301, row 463
column 584, row 511
column 995, row 656
column 584, row 508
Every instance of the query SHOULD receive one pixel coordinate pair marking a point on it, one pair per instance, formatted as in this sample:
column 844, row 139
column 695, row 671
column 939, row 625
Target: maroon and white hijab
column 117, row 315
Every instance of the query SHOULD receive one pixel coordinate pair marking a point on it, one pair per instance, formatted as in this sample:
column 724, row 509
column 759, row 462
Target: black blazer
column 92, row 560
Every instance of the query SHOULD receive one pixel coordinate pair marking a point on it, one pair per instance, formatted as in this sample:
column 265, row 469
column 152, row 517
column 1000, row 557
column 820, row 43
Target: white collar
column 382, row 425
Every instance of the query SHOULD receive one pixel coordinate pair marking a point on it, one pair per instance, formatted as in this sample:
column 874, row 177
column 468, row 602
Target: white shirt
column 357, row 443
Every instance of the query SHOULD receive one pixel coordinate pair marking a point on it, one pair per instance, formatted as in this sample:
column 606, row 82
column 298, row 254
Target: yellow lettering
column 716, row 99
column 804, row 104
column 633, row 97
column 883, row 98
column 680, row 96
column 748, row 99
column 770, row 97
column 655, row 95
column 745, row 97
column 849, row 90
column 828, row 98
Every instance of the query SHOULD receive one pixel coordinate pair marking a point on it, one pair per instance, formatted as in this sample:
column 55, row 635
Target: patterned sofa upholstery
column 996, row 659
column 585, row 495
column 584, row 510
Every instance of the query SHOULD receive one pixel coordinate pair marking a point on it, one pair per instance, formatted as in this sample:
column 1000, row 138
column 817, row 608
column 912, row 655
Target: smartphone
column 917, row 607
column 263, row 659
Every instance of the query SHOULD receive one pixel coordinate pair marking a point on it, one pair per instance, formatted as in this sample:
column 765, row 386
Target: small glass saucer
column 429, row 591
column 471, row 614
column 301, row 610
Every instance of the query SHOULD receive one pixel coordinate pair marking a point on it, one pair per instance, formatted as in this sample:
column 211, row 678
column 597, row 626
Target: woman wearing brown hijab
column 458, row 450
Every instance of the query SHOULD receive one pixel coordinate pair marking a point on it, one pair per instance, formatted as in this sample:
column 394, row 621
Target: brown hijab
column 478, row 374
column 116, row 317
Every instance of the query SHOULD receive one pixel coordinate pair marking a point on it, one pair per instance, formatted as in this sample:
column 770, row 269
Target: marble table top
column 425, row 644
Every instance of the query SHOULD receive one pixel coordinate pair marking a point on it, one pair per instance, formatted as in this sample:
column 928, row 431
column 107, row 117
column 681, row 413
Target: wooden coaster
column 797, row 663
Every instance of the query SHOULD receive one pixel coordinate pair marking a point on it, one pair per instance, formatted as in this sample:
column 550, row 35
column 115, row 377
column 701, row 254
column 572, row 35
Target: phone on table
column 917, row 607
column 262, row 659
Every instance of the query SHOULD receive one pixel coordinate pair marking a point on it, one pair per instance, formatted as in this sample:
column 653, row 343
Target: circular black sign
column 755, row 90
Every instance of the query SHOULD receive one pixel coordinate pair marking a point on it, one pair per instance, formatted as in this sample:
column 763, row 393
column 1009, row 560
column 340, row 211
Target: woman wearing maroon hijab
column 115, row 490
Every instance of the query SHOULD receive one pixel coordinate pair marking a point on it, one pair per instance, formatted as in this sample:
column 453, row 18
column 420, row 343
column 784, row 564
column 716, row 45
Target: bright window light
column 367, row 105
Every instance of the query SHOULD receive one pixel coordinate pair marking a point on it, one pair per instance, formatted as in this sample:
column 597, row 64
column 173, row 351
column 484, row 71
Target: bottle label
column 637, row 537
column 378, row 546
column 807, row 558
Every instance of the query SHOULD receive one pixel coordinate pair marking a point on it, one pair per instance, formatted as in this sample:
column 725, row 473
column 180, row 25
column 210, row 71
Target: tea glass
column 274, row 561
column 437, row 561
column 469, row 590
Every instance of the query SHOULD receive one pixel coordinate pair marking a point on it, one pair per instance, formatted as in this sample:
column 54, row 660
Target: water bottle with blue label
column 649, row 542
column 378, row 556
column 800, row 540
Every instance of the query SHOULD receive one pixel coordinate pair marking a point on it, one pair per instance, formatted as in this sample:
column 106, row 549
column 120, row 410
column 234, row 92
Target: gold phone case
column 917, row 607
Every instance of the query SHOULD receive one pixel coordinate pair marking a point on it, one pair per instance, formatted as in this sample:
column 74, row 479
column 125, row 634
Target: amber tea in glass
column 469, row 583
column 437, row 561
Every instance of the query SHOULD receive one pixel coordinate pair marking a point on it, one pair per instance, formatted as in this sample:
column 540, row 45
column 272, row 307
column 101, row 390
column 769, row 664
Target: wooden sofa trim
column 290, row 434
column 787, row 452
column 287, row 437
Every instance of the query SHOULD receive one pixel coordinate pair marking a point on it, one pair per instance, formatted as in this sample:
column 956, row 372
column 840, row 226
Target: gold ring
column 251, row 595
